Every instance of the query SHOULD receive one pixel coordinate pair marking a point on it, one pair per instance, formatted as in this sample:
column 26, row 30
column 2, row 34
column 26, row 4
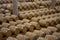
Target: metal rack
column 15, row 6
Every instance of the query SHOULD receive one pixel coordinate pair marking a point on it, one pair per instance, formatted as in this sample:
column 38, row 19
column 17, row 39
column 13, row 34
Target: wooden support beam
column 53, row 2
column 15, row 7
column 24, row 0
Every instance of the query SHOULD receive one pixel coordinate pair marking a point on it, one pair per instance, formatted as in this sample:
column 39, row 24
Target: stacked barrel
column 36, row 21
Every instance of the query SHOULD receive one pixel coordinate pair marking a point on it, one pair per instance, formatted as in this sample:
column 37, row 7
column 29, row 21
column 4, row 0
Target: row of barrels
column 26, row 6
column 54, row 36
column 47, row 20
column 30, row 15
column 10, row 1
column 49, row 32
